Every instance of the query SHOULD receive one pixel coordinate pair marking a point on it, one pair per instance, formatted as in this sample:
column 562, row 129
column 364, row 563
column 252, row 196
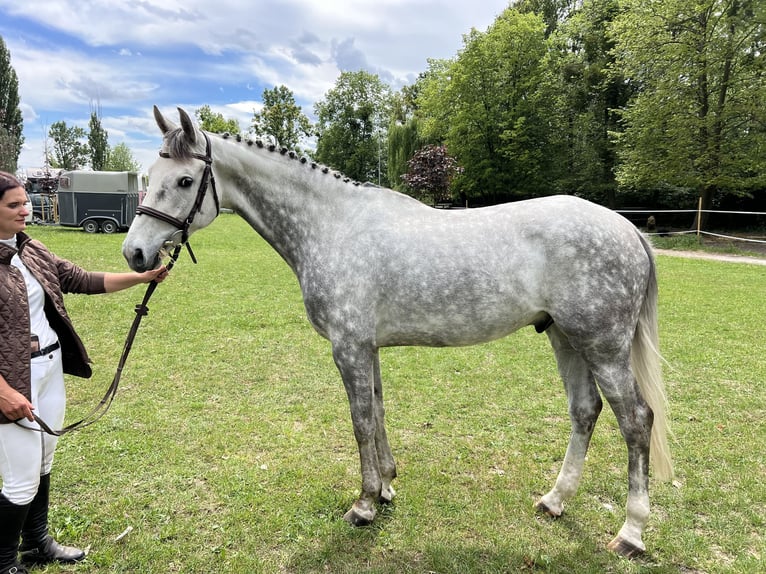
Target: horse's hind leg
column 386, row 463
column 584, row 408
column 635, row 419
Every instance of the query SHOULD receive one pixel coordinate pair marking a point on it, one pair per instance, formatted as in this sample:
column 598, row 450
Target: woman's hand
column 13, row 404
column 158, row 275
column 119, row 281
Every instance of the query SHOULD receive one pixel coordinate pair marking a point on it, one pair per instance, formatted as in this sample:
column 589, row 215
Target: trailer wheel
column 108, row 226
column 90, row 226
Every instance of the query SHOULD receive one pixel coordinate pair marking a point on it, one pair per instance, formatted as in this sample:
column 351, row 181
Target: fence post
column 699, row 219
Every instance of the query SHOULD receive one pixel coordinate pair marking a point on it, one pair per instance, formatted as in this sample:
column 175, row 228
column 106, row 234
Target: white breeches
column 25, row 454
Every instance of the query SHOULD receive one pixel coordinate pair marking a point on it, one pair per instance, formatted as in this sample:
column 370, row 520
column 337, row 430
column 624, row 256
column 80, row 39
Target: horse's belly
column 449, row 326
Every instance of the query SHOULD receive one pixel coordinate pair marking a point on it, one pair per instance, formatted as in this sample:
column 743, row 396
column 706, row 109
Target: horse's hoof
column 359, row 517
column 387, row 495
column 543, row 508
column 624, row 548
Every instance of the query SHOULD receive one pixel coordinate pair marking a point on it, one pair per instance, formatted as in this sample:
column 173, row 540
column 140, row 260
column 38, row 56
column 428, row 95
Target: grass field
column 229, row 446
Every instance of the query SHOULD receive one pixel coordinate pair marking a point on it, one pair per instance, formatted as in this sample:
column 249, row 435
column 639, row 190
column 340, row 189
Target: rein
column 142, row 309
column 100, row 409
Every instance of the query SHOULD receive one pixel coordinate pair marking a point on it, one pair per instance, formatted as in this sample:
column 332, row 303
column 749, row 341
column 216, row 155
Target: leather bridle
column 142, row 309
column 207, row 180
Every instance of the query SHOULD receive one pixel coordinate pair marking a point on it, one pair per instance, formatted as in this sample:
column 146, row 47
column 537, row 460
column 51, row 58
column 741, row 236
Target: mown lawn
column 229, row 446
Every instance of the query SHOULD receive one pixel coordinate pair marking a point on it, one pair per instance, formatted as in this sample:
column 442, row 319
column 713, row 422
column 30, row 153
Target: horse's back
column 468, row 276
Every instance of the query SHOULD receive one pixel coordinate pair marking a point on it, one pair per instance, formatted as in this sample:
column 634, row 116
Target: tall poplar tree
column 11, row 120
column 98, row 142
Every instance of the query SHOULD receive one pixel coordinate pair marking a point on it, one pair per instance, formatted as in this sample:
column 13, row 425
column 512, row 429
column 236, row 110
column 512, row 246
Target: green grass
column 229, row 446
column 707, row 243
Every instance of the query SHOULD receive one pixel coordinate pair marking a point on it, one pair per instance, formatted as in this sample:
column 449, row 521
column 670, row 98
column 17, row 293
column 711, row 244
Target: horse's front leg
column 356, row 363
column 386, row 463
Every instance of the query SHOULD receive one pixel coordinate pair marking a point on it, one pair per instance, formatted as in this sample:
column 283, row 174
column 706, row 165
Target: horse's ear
column 164, row 124
column 188, row 126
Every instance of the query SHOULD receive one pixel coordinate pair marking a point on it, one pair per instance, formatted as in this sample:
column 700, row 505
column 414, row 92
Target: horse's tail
column 647, row 368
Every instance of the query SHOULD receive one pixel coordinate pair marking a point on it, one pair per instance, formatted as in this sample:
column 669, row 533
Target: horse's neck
column 290, row 204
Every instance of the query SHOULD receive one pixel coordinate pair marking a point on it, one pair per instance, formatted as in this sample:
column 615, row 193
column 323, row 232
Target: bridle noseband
column 207, row 179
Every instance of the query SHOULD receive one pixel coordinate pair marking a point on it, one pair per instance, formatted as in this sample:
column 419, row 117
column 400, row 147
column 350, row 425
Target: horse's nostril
column 137, row 260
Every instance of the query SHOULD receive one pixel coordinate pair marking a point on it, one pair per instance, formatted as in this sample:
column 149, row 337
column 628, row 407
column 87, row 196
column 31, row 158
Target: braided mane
column 178, row 146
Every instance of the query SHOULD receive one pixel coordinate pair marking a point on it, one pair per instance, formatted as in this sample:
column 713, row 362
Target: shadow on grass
column 347, row 550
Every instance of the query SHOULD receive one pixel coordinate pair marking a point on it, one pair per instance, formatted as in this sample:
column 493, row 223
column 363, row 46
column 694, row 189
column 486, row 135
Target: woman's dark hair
column 8, row 181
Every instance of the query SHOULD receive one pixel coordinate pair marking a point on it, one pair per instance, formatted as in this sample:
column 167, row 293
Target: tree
column 98, row 143
column 121, row 159
column 11, row 120
column 352, row 123
column 281, row 118
column 69, row 152
column 214, row 122
column 404, row 137
column 431, row 171
column 553, row 12
column 697, row 122
column 487, row 107
column 587, row 96
column 403, row 141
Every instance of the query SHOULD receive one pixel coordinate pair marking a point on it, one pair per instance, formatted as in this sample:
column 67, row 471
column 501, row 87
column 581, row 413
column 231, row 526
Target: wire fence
column 698, row 219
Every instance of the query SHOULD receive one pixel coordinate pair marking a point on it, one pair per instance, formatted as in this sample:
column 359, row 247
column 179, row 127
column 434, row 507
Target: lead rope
column 103, row 406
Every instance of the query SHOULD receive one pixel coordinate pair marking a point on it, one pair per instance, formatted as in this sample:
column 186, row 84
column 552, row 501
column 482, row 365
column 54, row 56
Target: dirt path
column 713, row 256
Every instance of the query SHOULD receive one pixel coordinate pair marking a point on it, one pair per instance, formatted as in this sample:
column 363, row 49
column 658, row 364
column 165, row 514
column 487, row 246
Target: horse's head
column 181, row 197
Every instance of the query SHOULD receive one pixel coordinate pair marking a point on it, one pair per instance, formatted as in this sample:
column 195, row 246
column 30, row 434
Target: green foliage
column 352, row 124
column 403, row 141
column 487, row 108
column 11, row 120
column 697, row 120
column 214, row 122
column 229, row 445
column 553, row 12
column 281, row 118
column 606, row 99
column 98, row 142
column 586, row 102
column 69, row 152
column 121, row 159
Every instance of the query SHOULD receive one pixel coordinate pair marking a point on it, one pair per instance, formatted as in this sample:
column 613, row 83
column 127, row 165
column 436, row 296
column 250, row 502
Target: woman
column 38, row 344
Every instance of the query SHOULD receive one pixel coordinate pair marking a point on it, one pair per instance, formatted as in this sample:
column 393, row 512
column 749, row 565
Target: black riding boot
column 37, row 546
column 12, row 518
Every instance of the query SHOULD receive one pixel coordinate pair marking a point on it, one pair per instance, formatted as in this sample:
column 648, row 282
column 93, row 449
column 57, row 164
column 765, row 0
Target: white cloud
column 127, row 55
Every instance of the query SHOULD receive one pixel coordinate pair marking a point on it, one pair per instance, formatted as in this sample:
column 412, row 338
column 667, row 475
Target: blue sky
column 127, row 55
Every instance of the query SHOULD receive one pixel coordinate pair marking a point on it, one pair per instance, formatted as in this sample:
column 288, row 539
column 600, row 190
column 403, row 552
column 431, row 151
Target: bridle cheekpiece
column 207, row 180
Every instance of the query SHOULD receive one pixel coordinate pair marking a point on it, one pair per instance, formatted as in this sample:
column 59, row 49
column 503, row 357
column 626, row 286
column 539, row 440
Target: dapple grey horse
column 378, row 268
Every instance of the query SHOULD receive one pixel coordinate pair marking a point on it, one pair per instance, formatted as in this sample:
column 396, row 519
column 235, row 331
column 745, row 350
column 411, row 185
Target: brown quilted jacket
column 57, row 276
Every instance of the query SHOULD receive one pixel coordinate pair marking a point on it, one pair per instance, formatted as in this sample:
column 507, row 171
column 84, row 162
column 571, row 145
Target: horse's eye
column 185, row 182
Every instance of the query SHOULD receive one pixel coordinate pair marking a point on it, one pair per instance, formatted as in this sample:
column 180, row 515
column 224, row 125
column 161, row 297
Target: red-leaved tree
column 430, row 172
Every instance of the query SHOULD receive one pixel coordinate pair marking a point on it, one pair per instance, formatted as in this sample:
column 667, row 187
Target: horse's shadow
column 346, row 549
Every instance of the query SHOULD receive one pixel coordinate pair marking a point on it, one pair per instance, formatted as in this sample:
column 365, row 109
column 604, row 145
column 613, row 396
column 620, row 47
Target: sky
column 121, row 57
